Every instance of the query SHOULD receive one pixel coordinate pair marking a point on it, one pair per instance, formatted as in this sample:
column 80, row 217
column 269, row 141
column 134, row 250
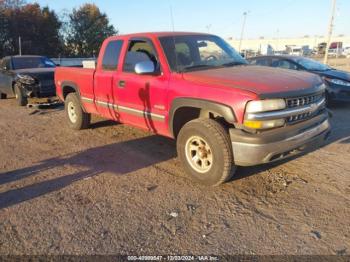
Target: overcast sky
column 268, row 18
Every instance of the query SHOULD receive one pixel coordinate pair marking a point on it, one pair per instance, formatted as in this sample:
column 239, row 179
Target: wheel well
column 67, row 90
column 184, row 115
column 13, row 86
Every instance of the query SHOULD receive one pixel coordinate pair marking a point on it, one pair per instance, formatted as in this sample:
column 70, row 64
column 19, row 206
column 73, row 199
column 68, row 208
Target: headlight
column 339, row 82
column 265, row 105
column 261, row 106
column 26, row 79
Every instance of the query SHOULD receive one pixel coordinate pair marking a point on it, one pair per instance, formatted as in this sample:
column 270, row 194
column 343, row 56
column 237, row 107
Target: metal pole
column 330, row 31
column 278, row 40
column 208, row 28
column 242, row 32
column 20, row 45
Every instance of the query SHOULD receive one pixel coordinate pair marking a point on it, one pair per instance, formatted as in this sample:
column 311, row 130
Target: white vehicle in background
column 335, row 52
column 298, row 50
column 294, row 50
column 266, row 50
column 346, row 51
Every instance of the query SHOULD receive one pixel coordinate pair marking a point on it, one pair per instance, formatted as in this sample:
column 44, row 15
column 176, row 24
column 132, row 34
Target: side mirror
column 4, row 68
column 145, row 68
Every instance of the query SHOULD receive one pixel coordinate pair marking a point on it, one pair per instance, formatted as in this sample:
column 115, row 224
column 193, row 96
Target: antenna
column 173, row 27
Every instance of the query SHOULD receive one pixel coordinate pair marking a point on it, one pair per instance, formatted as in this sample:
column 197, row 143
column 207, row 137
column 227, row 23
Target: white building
column 279, row 44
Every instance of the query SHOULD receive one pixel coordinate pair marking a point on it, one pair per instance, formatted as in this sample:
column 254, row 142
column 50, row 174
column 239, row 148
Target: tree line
column 42, row 31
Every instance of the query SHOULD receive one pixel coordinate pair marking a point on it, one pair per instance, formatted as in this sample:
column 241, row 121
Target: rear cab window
column 111, row 56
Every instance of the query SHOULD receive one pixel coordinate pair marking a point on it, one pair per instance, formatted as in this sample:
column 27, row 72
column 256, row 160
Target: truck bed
column 82, row 77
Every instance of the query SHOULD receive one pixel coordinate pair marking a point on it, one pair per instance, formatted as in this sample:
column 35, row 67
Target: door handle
column 121, row 84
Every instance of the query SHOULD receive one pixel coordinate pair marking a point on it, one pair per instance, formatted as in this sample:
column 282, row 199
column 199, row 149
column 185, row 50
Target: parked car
column 346, row 51
column 197, row 89
column 25, row 77
column 335, row 52
column 338, row 81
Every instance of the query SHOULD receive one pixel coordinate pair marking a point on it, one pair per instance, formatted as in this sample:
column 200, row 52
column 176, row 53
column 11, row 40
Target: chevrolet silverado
column 197, row 89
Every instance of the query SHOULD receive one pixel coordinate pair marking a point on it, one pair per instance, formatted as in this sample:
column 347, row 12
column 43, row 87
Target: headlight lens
column 261, row 106
column 26, row 79
column 265, row 105
column 339, row 82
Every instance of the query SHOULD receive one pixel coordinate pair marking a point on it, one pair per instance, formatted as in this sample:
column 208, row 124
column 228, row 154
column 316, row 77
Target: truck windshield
column 199, row 52
column 32, row 62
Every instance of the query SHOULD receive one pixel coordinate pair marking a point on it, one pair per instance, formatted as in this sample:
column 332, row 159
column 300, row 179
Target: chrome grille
column 300, row 102
column 304, row 100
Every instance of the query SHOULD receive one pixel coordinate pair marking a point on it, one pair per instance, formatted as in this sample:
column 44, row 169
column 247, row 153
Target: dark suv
column 25, row 77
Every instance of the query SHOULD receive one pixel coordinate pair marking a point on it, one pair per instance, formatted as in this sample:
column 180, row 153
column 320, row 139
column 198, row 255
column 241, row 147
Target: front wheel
column 22, row 100
column 205, row 151
column 77, row 118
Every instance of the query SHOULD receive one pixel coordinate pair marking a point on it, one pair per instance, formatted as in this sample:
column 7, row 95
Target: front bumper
column 254, row 149
column 39, row 91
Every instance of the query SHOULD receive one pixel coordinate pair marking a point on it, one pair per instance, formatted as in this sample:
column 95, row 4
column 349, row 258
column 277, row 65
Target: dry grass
column 339, row 63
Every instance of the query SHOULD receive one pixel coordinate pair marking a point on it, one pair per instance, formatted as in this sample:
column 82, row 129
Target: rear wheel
column 205, row 151
column 22, row 100
column 77, row 118
column 3, row 96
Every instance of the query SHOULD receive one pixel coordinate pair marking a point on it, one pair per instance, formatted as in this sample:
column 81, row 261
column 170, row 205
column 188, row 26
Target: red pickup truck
column 196, row 89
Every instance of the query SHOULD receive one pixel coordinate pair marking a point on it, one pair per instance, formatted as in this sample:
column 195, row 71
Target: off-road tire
column 3, row 96
column 222, row 167
column 82, row 119
column 22, row 100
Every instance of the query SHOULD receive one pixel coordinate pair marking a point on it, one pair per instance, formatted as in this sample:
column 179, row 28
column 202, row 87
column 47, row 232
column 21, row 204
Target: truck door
column 104, row 90
column 6, row 77
column 141, row 99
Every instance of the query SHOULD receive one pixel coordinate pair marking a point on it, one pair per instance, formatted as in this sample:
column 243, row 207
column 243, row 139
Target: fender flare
column 75, row 87
column 70, row 84
column 223, row 110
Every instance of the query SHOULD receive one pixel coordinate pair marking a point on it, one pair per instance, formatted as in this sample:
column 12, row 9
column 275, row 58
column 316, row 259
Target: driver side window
column 139, row 51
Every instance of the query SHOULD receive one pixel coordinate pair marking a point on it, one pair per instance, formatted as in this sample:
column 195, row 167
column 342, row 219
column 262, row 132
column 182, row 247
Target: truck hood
column 263, row 81
column 35, row 70
column 38, row 73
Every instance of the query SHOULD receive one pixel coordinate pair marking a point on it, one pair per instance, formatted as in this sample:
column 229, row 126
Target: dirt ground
column 113, row 189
